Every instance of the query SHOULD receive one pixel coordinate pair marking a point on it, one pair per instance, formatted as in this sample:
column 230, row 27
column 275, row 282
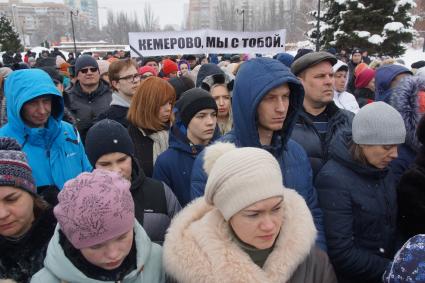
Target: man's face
column 340, row 78
column 356, row 58
column 36, row 112
column 318, row 83
column 89, row 76
column 192, row 63
column 273, row 108
column 128, row 82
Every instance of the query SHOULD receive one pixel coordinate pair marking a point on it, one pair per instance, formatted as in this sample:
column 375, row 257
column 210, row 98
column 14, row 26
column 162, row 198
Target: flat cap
column 311, row 59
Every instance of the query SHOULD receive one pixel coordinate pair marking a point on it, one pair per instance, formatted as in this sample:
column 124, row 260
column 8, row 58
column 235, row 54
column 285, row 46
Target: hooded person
column 342, row 98
column 266, row 95
column 247, row 228
column 408, row 99
column 26, row 221
column 35, row 110
column 411, row 192
column 285, row 58
column 195, row 129
column 386, row 79
column 97, row 238
column 205, row 71
column 357, row 194
column 109, row 147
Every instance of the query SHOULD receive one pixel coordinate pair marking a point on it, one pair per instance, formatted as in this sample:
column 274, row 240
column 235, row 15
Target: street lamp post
column 242, row 12
column 73, row 31
column 318, row 27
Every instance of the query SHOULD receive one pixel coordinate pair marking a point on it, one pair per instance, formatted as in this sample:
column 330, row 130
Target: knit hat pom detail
column 9, row 144
column 214, row 152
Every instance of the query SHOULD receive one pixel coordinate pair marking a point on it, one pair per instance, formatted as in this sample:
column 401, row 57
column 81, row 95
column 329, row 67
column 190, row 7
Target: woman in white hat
column 247, row 227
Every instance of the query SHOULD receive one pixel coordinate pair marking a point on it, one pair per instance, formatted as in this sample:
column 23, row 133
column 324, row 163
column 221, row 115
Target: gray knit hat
column 240, row 177
column 378, row 123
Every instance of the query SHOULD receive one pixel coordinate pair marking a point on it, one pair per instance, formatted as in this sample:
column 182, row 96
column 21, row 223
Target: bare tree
column 150, row 21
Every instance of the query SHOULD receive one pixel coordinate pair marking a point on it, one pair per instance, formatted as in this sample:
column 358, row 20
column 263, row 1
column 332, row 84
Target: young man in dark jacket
column 90, row 95
column 109, row 146
column 197, row 112
column 320, row 119
column 265, row 104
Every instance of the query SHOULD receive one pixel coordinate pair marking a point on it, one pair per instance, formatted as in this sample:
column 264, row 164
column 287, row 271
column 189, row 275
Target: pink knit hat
column 94, row 208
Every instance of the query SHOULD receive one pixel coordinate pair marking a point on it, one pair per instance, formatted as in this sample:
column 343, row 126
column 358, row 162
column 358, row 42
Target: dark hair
column 357, row 154
column 40, row 205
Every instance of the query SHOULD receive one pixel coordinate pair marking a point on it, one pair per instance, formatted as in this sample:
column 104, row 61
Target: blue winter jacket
column 360, row 211
column 383, row 78
column 253, row 81
column 174, row 165
column 55, row 152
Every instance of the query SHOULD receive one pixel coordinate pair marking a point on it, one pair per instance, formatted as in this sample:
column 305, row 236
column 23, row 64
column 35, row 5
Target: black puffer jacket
column 21, row 259
column 87, row 107
column 359, row 207
column 307, row 136
column 155, row 204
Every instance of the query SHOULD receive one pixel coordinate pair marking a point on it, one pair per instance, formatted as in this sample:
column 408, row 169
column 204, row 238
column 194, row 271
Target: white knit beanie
column 240, row 177
column 378, row 123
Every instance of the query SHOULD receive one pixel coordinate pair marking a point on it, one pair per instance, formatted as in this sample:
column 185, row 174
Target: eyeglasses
column 92, row 69
column 131, row 78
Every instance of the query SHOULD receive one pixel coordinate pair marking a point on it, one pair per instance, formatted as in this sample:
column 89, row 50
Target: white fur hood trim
column 199, row 246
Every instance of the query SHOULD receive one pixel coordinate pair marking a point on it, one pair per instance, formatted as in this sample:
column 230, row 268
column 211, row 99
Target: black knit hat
column 14, row 168
column 192, row 101
column 85, row 61
column 107, row 136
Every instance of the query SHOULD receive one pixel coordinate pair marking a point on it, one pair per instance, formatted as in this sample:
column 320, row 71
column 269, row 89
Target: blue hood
column 383, row 78
column 24, row 85
column 253, row 81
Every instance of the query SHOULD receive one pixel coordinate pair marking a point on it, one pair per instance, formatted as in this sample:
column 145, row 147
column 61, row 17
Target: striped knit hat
column 14, row 168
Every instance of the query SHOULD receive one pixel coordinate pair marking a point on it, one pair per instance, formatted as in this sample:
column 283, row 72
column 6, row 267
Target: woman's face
column 184, row 69
column 379, row 156
column 16, row 211
column 222, row 99
column 259, row 225
column 110, row 254
column 165, row 112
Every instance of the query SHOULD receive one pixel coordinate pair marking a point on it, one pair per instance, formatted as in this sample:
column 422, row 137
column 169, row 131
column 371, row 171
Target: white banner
column 205, row 41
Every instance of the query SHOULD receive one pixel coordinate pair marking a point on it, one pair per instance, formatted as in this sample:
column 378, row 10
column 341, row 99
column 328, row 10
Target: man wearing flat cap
column 320, row 119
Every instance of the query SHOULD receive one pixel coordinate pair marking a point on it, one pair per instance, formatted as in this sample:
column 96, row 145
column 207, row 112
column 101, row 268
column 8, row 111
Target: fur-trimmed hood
column 405, row 100
column 199, row 246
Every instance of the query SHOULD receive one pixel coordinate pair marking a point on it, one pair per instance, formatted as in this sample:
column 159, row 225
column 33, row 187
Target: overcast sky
column 167, row 11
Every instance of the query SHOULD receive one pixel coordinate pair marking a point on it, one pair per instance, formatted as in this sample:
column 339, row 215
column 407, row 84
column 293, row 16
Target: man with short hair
column 152, row 62
column 35, row 109
column 90, row 96
column 124, row 80
column 320, row 119
column 265, row 104
column 356, row 58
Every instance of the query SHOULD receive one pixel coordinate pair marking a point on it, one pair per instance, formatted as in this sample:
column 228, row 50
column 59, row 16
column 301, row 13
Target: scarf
column 160, row 142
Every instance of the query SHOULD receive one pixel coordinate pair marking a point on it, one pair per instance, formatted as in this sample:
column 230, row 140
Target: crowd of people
column 218, row 168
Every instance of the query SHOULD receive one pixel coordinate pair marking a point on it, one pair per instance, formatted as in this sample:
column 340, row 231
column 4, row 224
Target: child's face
column 110, row 255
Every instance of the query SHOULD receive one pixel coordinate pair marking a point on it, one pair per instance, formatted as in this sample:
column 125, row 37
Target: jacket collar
column 199, row 239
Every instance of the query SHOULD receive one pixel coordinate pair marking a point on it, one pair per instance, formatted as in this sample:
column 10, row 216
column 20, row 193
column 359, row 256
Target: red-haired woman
column 150, row 116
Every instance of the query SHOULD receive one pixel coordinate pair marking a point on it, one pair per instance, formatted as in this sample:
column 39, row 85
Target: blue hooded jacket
column 253, row 81
column 174, row 165
column 55, row 152
column 383, row 78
